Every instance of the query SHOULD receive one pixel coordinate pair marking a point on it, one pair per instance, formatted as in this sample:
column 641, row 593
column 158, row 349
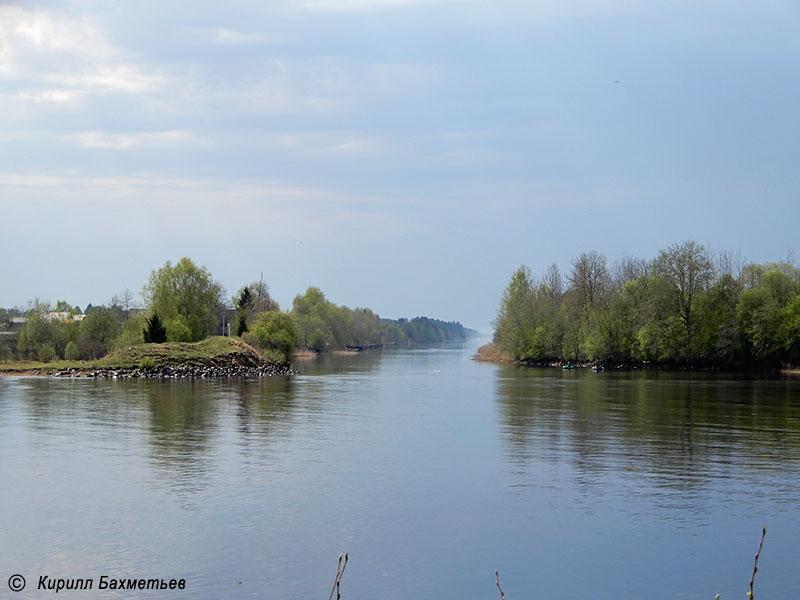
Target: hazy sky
column 404, row 155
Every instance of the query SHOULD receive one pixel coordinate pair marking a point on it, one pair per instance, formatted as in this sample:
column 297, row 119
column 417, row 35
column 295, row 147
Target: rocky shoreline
column 177, row 372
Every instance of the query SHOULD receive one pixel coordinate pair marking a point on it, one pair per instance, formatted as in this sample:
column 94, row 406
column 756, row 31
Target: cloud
column 328, row 144
column 352, row 5
column 121, row 208
column 50, row 57
column 49, row 96
column 113, row 78
column 357, row 146
column 128, row 141
column 45, row 31
column 227, row 36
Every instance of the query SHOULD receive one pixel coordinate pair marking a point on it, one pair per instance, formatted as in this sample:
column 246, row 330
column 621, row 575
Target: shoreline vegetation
column 187, row 328
column 686, row 309
column 489, row 353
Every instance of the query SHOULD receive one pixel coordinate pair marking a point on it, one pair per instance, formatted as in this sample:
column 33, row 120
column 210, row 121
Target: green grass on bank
column 216, row 350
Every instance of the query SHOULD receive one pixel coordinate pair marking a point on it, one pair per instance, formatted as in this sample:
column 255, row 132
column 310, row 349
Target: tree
column 244, row 306
column 687, row 270
column 42, row 330
column 589, row 280
column 553, row 283
column 790, row 331
column 124, row 300
column 97, row 332
column 276, row 333
column 515, row 326
column 313, row 314
column 155, row 332
column 719, row 332
column 262, row 301
column 630, row 268
column 71, row 352
column 767, row 317
column 188, row 291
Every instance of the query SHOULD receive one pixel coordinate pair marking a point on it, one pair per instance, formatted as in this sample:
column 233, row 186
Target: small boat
column 567, row 366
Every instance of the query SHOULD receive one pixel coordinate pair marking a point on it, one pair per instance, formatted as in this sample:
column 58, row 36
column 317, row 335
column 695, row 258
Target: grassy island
column 215, row 352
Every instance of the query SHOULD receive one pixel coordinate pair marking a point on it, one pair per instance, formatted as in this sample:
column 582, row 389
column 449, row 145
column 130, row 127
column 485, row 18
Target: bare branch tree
column 630, row 268
column 590, row 279
column 553, row 282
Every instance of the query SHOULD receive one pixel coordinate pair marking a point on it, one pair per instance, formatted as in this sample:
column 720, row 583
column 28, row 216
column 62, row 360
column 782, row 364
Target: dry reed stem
column 755, row 563
column 339, row 572
column 497, row 582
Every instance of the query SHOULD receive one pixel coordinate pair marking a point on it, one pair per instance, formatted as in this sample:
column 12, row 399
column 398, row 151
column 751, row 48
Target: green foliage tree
column 132, row 331
column 675, row 310
column 687, row 270
column 317, row 341
column 44, row 328
column 187, row 291
column 71, row 352
column 277, row 334
column 314, row 315
column 46, row 352
column 790, row 331
column 98, row 332
column 323, row 324
column 178, row 330
column 720, row 339
column 516, row 325
column 767, row 317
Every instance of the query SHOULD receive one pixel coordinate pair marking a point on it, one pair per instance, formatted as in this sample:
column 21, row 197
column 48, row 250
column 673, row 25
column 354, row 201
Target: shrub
column 278, row 332
column 318, row 340
column 71, row 352
column 148, row 362
column 272, row 355
column 133, row 332
column 47, row 352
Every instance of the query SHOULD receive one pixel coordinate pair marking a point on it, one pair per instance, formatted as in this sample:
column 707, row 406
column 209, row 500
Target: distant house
column 57, row 316
column 63, row 316
column 18, row 322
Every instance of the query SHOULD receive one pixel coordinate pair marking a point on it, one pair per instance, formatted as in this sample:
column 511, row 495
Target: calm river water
column 431, row 470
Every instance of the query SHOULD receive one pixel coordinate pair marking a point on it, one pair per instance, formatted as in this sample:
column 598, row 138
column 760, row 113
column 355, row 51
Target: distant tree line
column 183, row 303
column 685, row 307
column 323, row 325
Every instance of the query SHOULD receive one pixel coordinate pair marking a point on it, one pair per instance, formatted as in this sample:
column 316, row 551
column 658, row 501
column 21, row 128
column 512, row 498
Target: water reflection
column 326, row 364
column 183, row 417
column 416, row 461
column 677, row 437
column 182, row 423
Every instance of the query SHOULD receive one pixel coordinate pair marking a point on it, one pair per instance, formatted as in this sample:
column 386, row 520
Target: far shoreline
column 489, row 353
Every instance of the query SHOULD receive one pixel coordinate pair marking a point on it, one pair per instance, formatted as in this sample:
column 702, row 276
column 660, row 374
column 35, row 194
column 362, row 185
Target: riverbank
column 490, row 353
column 212, row 357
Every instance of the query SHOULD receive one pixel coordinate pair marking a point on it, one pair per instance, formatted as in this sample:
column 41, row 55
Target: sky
column 401, row 155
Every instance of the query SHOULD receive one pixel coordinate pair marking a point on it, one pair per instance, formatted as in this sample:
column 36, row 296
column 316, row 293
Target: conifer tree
column 155, row 332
